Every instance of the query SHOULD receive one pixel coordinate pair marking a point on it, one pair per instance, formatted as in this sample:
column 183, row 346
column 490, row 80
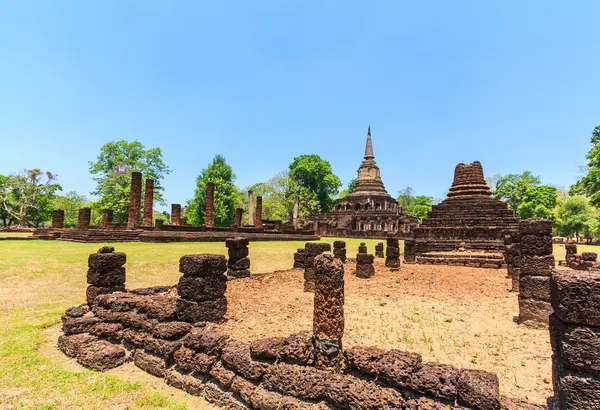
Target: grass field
column 40, row 279
column 14, row 234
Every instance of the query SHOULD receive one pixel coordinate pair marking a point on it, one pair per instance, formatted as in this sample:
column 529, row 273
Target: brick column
column 251, row 208
column 364, row 265
column 238, row 265
column 135, row 199
column 258, row 217
column 575, row 339
column 107, row 218
column 328, row 319
column 513, row 258
column 202, row 288
column 83, row 218
column 362, row 248
column 299, row 258
column 311, row 251
column 392, row 257
column 409, row 251
column 339, row 250
column 148, row 202
column 106, row 273
column 209, row 219
column 239, row 213
column 295, row 212
column 379, row 250
column 175, row 214
column 536, row 264
column 58, row 219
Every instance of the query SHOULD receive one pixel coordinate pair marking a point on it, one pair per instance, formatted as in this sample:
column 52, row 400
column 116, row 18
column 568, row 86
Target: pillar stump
column 258, row 216
column 250, row 208
column 379, row 250
column 58, row 219
column 135, row 198
column 209, row 216
column 311, row 251
column 299, row 258
column 575, row 339
column 238, row 265
column 175, row 214
column 339, row 250
column 328, row 319
column 512, row 255
column 237, row 222
column 364, row 266
column 148, row 202
column 362, row 248
column 106, row 273
column 202, row 288
column 83, row 218
column 107, row 218
column 409, row 251
column 392, row 254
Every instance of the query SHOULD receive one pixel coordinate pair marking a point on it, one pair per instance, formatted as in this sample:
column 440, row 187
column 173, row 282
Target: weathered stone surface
column 236, row 274
column 162, row 348
column 101, row 355
column 576, row 297
column 112, row 277
column 363, row 258
column 203, row 287
column 298, row 381
column 171, row 330
column 352, row 393
column 392, row 252
column 536, row 265
column 577, row 347
column 94, row 291
column 237, row 253
column 106, row 249
column 397, row 368
column 188, row 359
column 237, row 243
column 478, row 389
column 222, row 374
column 189, row 382
column 111, row 331
column 214, row 393
column 535, row 227
column 135, row 338
column 159, row 307
column 534, row 311
column 201, row 311
column 536, row 245
column 202, row 265
column 236, row 356
column 392, row 262
column 364, row 271
column 74, row 344
column 573, row 391
column 105, row 262
column 589, row 256
column 535, row 287
column 339, row 244
column 73, row 325
column 316, row 248
column 119, row 302
column 149, row 362
column 238, row 264
column 438, row 380
column 294, row 349
column 207, row 340
column 77, row 311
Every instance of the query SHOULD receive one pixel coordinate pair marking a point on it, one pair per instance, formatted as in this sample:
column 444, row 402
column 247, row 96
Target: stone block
column 392, row 252
column 294, row 349
column 77, row 311
column 534, row 311
column 222, row 374
column 112, row 277
column 94, row 291
column 535, row 287
column 105, row 262
column 237, row 243
column 74, row 344
column 535, row 245
column 150, row 363
column 171, row 330
column 207, row 340
column 186, row 381
column 244, row 388
column 438, row 380
column 159, row 307
column 478, row 389
column 589, row 256
column 536, row 265
column 201, row 311
column 238, row 264
column 297, row 381
column 535, row 227
column 237, row 253
column 74, row 325
column 110, row 331
column 162, row 348
column 363, row 258
column 202, row 287
column 397, row 368
column 236, row 356
column 237, row 274
column 188, row 359
column 575, row 391
column 339, row 244
column 578, row 347
column 135, row 338
column 202, row 265
column 317, row 248
column 365, row 271
column 576, row 297
column 101, row 355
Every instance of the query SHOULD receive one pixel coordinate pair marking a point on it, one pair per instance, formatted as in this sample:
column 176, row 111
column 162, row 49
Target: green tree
column 112, row 173
column 315, row 174
column 512, row 187
column 226, row 196
column 349, row 189
column 70, row 203
column 576, row 215
column 28, row 196
column 416, row 205
column 589, row 184
column 539, row 202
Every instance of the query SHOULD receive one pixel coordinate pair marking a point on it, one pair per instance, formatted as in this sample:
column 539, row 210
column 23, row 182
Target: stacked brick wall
column 238, row 265
column 339, row 250
column 107, row 218
column 311, row 251
column 575, row 339
column 299, row 258
column 513, row 258
column 202, row 288
column 106, row 273
column 364, row 263
column 83, row 218
column 583, row 261
column 148, row 202
column 379, row 250
column 135, row 199
column 58, row 219
column 392, row 254
column 536, row 265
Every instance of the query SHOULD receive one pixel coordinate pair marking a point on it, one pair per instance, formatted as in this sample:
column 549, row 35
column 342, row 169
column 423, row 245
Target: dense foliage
column 70, row 203
column 577, row 216
column 538, row 202
column 112, row 173
column 589, row 184
column 315, row 174
column 513, row 187
column 416, row 205
column 349, row 189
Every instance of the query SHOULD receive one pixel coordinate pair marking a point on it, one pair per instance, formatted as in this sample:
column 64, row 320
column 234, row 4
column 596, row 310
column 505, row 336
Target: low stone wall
column 212, row 236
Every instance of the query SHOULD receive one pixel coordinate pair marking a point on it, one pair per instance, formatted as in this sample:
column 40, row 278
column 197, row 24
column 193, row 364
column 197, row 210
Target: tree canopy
column 315, row 174
column 349, row 189
column 589, row 184
column 538, row 202
column 226, row 196
column 113, row 168
column 513, row 187
column 576, row 215
column 416, row 205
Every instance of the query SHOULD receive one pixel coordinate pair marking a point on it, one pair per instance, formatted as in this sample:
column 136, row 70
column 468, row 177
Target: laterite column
column 107, row 218
column 258, row 217
column 135, row 199
column 58, row 219
column 148, row 202
column 175, row 214
column 83, row 218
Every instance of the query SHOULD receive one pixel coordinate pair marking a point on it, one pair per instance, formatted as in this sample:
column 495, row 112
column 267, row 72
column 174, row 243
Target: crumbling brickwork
column 209, row 220
column 513, row 258
column 364, row 265
column 83, row 218
column 58, row 219
column 148, row 202
column 202, row 288
column 238, row 265
column 299, row 258
column 239, row 214
column 583, row 261
column 135, row 199
column 379, row 249
column 107, row 218
column 175, row 214
column 339, row 250
column 311, row 251
column 258, row 217
column 106, row 273
column 392, row 253
column 362, row 248
column 536, row 264
column 575, row 339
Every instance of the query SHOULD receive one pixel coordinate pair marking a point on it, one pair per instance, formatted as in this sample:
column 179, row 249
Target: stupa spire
column 369, row 147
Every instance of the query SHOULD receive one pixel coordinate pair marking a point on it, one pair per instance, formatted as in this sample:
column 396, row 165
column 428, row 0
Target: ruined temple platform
column 476, row 259
column 216, row 236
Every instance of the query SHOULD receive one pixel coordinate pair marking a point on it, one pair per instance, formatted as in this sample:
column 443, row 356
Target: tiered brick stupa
column 467, row 228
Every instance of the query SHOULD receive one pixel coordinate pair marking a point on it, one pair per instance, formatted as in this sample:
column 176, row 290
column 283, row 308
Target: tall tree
column 315, row 174
column 27, row 196
column 416, row 205
column 349, row 189
column 576, row 215
column 70, row 203
column 113, row 168
column 589, row 184
column 226, row 196
column 512, row 187
column 539, row 202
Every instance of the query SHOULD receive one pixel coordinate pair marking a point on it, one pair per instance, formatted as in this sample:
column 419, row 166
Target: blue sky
column 513, row 84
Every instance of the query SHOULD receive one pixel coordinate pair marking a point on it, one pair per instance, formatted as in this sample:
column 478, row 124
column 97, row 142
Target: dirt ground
column 453, row 315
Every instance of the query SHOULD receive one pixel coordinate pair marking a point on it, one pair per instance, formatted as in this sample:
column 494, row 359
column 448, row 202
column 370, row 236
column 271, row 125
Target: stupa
column 467, row 228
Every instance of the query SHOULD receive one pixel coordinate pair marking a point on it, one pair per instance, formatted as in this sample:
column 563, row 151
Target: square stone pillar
column 175, row 214
column 295, row 212
column 258, row 217
column 148, row 202
column 135, row 199
column 107, row 218
column 58, row 219
column 209, row 219
column 239, row 213
column 251, row 208
column 83, row 218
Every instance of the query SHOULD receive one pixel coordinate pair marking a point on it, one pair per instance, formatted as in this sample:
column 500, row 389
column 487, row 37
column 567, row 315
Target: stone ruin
column 583, row 261
column 238, row 265
column 513, row 258
column 184, row 346
column 339, row 250
column 469, row 215
column 364, row 263
column 379, row 250
column 311, row 251
column 299, row 259
column 392, row 254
